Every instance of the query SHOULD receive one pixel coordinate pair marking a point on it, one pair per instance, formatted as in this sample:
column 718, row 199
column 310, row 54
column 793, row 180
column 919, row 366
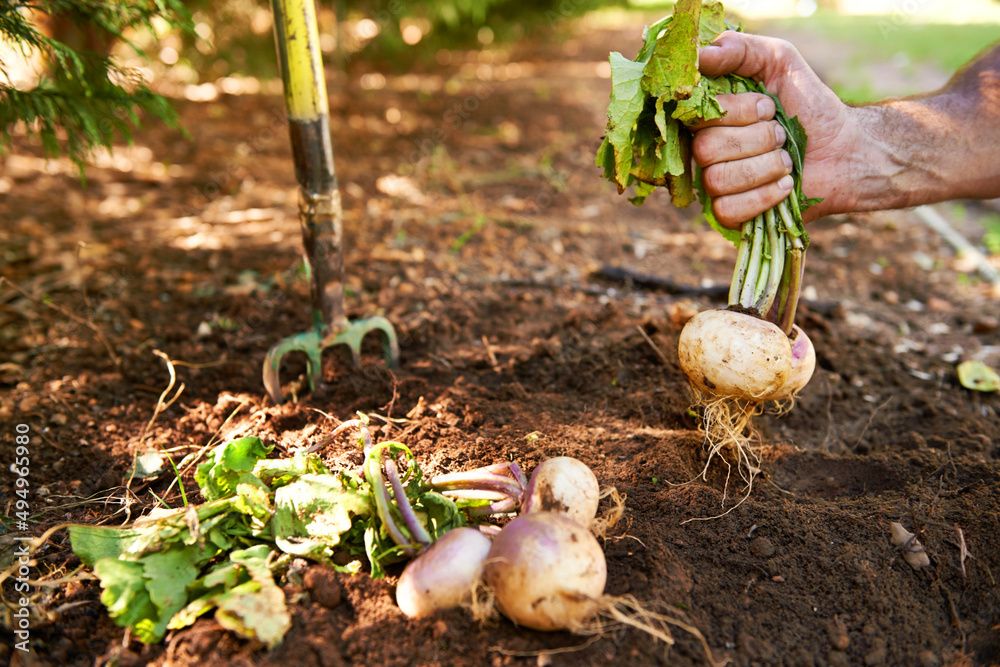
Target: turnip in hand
column 738, row 358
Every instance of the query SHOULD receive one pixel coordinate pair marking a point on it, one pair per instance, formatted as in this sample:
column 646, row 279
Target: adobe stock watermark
column 20, row 468
column 453, row 119
column 246, row 152
column 902, row 13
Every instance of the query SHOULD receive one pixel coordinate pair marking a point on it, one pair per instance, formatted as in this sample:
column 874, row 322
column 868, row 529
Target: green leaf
column 247, row 599
column 649, row 37
column 701, row 106
column 672, row 69
column 439, row 512
column 978, row 376
column 713, row 22
column 168, row 574
column 94, row 543
column 124, row 594
column 279, row 472
column 254, row 501
column 605, row 158
column 312, row 513
column 203, row 592
column 263, row 613
column 230, row 464
column 623, row 111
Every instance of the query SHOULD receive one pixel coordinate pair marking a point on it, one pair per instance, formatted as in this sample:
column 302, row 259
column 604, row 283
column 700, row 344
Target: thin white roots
column 611, row 614
column 617, row 612
column 611, row 516
column 724, row 421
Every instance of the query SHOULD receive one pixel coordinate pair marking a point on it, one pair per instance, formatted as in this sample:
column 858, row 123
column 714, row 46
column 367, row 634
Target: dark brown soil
column 512, row 348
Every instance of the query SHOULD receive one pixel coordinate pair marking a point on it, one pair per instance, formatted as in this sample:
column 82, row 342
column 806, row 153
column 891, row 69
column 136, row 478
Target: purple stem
column 373, row 471
column 417, row 529
column 505, row 506
column 477, row 480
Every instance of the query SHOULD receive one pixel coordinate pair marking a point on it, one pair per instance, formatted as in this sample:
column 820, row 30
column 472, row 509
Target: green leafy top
column 654, row 98
column 164, row 571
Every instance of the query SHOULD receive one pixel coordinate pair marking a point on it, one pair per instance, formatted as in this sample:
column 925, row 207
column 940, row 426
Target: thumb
column 743, row 54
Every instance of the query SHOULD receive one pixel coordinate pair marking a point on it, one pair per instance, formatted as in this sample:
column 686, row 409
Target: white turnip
column 547, row 572
column 726, row 353
column 565, row 485
column 445, row 575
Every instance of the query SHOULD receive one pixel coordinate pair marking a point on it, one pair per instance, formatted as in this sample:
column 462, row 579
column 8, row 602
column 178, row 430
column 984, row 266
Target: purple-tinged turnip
column 445, row 575
column 565, row 485
column 547, row 572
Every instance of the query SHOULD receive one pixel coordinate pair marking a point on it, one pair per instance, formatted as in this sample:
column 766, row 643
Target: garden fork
column 320, row 215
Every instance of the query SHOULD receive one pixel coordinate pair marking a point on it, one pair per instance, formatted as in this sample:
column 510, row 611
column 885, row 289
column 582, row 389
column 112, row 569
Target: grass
column 946, row 45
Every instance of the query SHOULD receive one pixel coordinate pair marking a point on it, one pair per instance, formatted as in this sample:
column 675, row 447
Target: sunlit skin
column 894, row 154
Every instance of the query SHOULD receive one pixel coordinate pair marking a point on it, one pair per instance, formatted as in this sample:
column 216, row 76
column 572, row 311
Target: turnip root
column 564, row 485
column 547, row 572
column 735, row 362
column 742, row 357
column 726, row 353
column 445, row 575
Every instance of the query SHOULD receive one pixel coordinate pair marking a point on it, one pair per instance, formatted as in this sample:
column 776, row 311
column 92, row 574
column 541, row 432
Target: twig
column 489, row 354
column 938, row 223
column 160, row 405
column 871, row 418
column 963, row 550
column 548, row 651
column 73, row 316
column 659, row 352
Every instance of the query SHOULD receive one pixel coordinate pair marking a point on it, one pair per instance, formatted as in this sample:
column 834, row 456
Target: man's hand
column 744, row 168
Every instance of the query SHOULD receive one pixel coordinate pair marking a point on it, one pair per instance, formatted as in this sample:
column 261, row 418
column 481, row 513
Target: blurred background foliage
column 92, row 68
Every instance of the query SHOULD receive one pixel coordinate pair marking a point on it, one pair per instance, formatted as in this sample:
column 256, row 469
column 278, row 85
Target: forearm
column 932, row 148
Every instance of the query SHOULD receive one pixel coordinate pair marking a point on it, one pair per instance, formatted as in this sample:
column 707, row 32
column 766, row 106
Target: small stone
column 985, row 324
column 778, row 579
column 761, row 547
column 59, row 419
column 28, row 403
column 836, row 631
column 323, row 584
column 544, row 660
column 938, row 305
column 439, row 629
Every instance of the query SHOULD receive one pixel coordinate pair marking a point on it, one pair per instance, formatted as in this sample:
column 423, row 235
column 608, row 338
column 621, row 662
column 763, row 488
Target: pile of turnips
column 545, row 567
column 544, row 570
column 740, row 358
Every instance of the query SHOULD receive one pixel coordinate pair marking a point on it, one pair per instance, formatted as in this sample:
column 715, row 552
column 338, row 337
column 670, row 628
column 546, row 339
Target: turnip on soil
column 446, row 575
column 564, row 485
column 739, row 358
column 547, row 572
